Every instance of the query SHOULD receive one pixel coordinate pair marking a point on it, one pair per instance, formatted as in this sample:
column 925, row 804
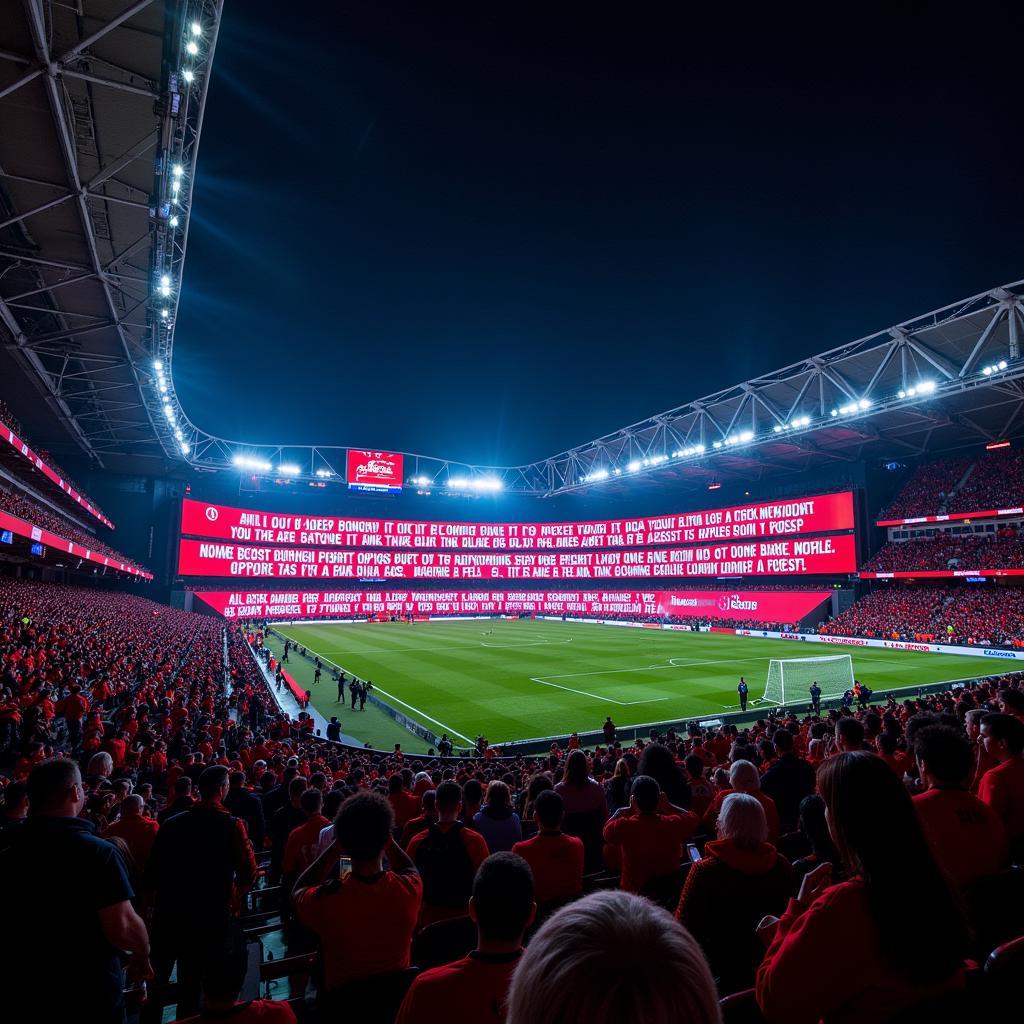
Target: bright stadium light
column 185, row 448
column 189, row 75
column 486, row 483
column 191, row 48
column 747, row 435
column 157, row 364
column 177, row 170
column 777, row 429
column 717, row 444
column 864, row 403
column 163, row 388
column 173, row 221
column 324, row 474
column 926, row 387
column 458, row 483
column 633, row 466
column 289, row 469
column 196, row 28
column 617, row 471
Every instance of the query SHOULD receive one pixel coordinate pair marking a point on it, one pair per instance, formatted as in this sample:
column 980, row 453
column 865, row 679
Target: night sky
column 491, row 232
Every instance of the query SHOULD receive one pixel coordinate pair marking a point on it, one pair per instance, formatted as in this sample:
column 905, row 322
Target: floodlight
column 777, row 429
column 926, row 387
column 173, row 222
column 617, row 471
column 1001, row 364
column 157, row 364
column 165, row 280
column 326, row 474
column 633, row 466
column 718, row 444
column 865, row 403
column 197, row 29
column 191, row 48
column 184, row 448
column 188, row 75
column 747, row 435
column 903, row 394
column 289, row 469
column 834, row 412
column 177, row 170
column 987, row 371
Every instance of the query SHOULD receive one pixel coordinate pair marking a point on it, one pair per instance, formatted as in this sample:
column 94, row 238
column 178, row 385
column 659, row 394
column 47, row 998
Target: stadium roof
column 97, row 111
column 102, row 112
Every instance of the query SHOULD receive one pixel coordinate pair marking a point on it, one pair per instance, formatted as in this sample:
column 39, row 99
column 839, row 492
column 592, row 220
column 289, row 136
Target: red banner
column 8, row 435
column 374, row 471
column 782, row 557
column 929, row 574
column 24, row 529
column 818, row 514
column 991, row 513
column 704, row 605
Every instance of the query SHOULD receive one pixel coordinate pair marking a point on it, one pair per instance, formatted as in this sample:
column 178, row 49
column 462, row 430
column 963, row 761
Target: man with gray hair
column 136, row 830
column 744, row 778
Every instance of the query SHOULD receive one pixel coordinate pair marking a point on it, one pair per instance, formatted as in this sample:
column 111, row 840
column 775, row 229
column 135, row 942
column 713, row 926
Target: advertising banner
column 374, row 471
column 783, row 557
column 777, row 606
column 760, row 521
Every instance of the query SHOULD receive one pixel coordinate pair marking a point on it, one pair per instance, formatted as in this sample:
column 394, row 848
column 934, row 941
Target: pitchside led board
column 790, row 537
column 374, row 472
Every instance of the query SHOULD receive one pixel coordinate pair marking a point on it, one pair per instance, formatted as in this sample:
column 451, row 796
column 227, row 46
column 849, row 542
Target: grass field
column 514, row 680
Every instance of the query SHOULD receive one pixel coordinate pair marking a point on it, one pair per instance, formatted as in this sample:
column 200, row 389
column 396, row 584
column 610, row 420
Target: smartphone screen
column 694, row 853
column 344, row 867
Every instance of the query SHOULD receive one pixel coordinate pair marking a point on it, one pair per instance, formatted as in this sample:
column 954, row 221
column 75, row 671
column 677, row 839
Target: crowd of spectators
column 39, row 515
column 967, row 614
column 997, row 481
column 146, row 768
column 947, row 551
column 928, row 490
column 8, row 417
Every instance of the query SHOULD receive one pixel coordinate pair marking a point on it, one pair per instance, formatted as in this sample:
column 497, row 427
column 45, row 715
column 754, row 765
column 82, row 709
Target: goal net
column 789, row 679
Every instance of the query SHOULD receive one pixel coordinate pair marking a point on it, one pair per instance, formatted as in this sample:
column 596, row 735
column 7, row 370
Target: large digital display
column 713, row 605
column 787, row 556
column 374, row 471
column 822, row 513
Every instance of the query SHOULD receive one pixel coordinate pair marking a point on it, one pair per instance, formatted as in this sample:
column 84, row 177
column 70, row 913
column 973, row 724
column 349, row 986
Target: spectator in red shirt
column 447, row 855
column 840, row 953
column 1002, row 787
column 503, row 907
column 741, row 878
column 555, row 858
column 646, row 843
column 365, row 919
column 966, row 836
column 427, row 817
column 405, row 804
column 137, row 831
column 744, row 778
column 612, row 956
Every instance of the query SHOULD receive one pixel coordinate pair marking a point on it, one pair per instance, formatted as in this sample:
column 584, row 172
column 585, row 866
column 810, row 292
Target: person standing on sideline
column 316, row 676
column 815, row 692
column 743, row 690
column 353, row 692
column 362, row 698
column 341, row 689
column 609, row 730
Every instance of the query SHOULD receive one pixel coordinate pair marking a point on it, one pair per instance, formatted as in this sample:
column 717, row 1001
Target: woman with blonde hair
column 608, row 958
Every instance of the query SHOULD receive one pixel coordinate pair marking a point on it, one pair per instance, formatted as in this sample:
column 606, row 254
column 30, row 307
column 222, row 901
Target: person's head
column 1002, row 736
column 296, row 787
column 16, row 800
column 472, row 793
column 576, row 771
column 783, row 742
column 658, row 762
column 237, row 780
column 132, row 806
column 449, row 800
column 943, row 756
column 395, row 785
column 55, row 789
column 644, row 794
column 742, row 821
column 213, row 783
column 311, row 801
column 612, row 957
column 720, row 779
column 502, row 902
column 101, row 764
column 498, row 796
column 744, row 777
column 182, row 786
column 223, row 976
column 885, row 744
column 363, row 825
column 549, row 810
column 849, row 734
column 1011, row 702
column 814, row 825
column 877, row 832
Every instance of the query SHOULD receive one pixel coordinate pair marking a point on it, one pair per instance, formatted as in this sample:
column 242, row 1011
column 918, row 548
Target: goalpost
column 789, row 679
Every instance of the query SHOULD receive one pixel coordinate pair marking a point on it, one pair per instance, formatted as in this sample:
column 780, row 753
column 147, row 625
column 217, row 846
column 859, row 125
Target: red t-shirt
column 475, row 987
column 967, row 838
column 365, row 925
column 647, row 846
column 557, row 864
column 139, row 834
column 300, row 850
column 259, row 1011
column 1002, row 788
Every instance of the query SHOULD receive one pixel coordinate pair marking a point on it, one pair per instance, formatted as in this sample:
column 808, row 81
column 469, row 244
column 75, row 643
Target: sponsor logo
column 734, row 603
column 790, row 636
column 212, row 514
column 375, row 467
column 900, row 646
column 998, row 654
column 849, row 641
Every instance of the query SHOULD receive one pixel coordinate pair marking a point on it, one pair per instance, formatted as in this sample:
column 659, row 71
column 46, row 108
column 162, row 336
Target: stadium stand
column 11, row 421
column 39, row 515
column 152, row 704
column 996, row 481
column 1003, row 550
column 950, row 614
column 928, row 489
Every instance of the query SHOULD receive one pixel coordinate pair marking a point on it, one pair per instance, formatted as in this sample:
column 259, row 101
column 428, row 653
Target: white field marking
column 529, row 643
column 671, row 663
column 607, row 700
column 398, row 700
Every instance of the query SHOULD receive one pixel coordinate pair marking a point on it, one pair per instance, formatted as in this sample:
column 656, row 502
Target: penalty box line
column 398, row 700
column 596, row 696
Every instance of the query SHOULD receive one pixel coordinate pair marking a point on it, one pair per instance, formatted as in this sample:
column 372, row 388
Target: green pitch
column 524, row 680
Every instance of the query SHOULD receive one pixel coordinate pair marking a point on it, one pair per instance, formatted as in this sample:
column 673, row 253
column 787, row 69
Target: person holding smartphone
column 365, row 918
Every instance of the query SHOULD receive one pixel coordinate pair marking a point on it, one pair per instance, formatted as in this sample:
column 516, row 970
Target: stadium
column 716, row 716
